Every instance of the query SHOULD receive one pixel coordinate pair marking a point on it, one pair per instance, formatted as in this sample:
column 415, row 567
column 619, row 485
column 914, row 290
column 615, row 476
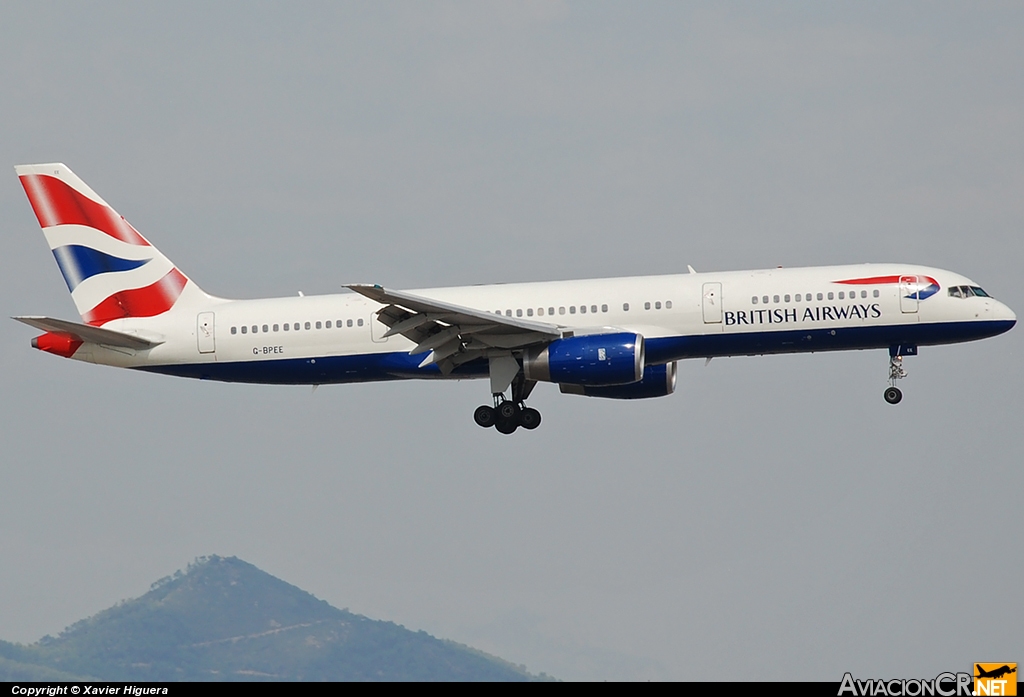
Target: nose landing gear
column 893, row 394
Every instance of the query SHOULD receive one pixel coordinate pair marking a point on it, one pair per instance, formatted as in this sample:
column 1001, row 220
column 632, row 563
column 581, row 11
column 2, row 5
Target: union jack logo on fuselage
column 916, row 287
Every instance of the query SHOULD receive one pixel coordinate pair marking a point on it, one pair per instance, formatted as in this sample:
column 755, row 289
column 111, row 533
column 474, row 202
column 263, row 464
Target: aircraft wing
column 88, row 333
column 453, row 334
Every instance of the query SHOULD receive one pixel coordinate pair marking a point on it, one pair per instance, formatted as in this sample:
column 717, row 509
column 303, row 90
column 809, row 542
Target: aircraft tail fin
column 112, row 271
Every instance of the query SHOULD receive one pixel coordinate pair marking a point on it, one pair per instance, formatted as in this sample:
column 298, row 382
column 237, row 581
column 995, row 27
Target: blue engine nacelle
column 592, row 359
column 658, row 381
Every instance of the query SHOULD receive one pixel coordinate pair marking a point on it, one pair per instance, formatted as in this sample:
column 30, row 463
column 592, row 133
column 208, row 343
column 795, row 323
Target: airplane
column 615, row 338
column 995, row 673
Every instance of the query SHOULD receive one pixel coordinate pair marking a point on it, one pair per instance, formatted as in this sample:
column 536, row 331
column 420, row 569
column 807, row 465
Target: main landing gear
column 507, row 415
column 893, row 394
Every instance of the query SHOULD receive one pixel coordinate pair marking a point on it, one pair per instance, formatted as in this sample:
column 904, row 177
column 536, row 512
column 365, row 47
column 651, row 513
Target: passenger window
column 519, row 313
column 647, row 306
column 529, row 312
column 551, row 310
column 841, row 295
column 508, row 313
column 277, row 327
column 796, row 297
column 830, row 295
column 583, row 309
column 328, row 324
column 657, row 305
column 360, row 322
column 820, row 297
column 561, row 310
column 604, row 308
column 540, row 311
column 243, row 329
column 786, row 298
column 255, row 329
column 338, row 324
column 234, row 330
column 775, row 298
column 348, row 323
column 764, row 299
column 593, row 308
column 863, row 294
column 319, row 325
column 668, row 304
column 875, row 292
column 572, row 309
column 287, row 326
column 308, row 326
column 295, row 326
column 625, row 307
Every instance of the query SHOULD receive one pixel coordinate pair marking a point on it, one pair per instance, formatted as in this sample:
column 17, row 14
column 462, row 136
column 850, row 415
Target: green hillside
column 224, row 619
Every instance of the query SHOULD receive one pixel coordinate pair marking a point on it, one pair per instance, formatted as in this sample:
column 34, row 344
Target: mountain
column 224, row 619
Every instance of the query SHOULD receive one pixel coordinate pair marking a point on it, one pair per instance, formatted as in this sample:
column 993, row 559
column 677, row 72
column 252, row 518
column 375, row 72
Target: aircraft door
column 712, row 303
column 909, row 288
column 205, row 333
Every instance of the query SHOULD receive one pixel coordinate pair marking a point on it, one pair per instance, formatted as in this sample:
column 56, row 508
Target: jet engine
column 658, row 381
column 592, row 360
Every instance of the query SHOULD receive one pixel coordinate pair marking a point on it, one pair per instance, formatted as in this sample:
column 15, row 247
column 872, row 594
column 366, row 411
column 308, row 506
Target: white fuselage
column 680, row 316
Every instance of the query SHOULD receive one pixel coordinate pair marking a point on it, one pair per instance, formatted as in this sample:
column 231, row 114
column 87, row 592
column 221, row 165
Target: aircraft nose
column 1002, row 314
column 1006, row 314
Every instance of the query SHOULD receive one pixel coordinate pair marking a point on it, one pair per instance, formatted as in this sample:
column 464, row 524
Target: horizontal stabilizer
column 87, row 333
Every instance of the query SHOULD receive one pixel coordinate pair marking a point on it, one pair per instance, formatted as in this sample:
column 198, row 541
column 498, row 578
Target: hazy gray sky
column 772, row 519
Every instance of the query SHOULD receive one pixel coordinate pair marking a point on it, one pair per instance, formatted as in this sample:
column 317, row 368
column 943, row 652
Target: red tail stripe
column 56, row 203
column 150, row 301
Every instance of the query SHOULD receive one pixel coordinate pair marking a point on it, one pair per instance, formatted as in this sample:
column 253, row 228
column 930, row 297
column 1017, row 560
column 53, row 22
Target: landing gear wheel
column 506, row 426
column 509, row 411
column 893, row 395
column 529, row 418
column 485, row 416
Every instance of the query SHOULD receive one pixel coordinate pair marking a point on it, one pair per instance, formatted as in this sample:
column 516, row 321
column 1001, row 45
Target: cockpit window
column 967, row 292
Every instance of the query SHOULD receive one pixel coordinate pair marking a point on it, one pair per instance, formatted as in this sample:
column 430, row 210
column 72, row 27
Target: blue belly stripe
column 376, row 367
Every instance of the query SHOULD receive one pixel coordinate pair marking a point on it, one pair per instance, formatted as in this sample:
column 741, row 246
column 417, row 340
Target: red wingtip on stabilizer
column 57, row 343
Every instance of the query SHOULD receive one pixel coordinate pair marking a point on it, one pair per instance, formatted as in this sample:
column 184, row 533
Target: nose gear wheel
column 893, row 394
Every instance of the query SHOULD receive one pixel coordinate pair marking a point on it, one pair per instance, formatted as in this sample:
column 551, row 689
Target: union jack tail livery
column 112, row 271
